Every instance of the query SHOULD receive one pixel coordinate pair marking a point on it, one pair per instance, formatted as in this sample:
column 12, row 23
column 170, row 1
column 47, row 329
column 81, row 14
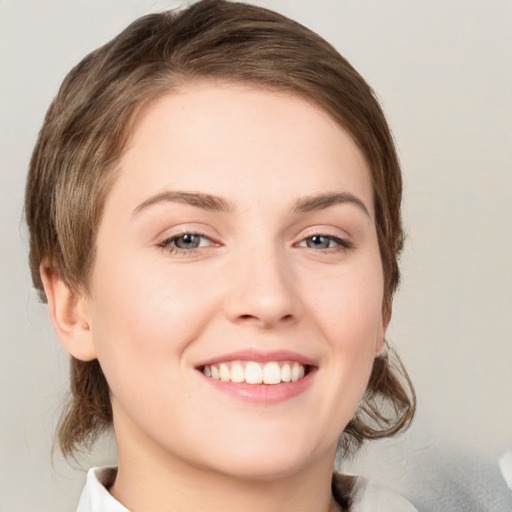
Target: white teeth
column 253, row 373
column 271, row 373
column 225, row 374
column 286, row 373
column 237, row 373
column 295, row 374
column 256, row 373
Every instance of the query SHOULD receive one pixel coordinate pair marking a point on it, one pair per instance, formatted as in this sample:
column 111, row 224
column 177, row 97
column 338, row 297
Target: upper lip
column 260, row 356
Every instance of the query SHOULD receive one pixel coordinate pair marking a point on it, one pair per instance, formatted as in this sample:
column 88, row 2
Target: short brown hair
column 87, row 126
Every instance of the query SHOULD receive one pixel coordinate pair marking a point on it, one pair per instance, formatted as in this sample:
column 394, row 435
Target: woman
column 214, row 213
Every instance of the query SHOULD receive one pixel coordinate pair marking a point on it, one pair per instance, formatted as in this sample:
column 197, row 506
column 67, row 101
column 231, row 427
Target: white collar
column 95, row 496
column 367, row 496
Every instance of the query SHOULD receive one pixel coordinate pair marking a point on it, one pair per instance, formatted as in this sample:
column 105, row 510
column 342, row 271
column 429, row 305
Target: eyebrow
column 322, row 201
column 198, row 199
column 217, row 203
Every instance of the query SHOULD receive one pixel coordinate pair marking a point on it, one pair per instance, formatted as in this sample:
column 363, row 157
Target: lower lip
column 263, row 393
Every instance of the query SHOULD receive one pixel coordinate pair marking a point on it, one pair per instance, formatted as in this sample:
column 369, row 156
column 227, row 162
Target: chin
column 262, row 468
column 259, row 460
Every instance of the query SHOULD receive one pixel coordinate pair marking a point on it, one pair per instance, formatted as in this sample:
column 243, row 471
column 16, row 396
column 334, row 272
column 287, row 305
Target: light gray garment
column 371, row 497
column 368, row 497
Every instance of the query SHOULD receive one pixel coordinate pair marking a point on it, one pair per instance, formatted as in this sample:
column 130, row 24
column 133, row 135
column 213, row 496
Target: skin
column 257, row 281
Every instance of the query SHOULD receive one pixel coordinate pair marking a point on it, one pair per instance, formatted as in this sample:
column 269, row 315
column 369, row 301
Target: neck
column 152, row 482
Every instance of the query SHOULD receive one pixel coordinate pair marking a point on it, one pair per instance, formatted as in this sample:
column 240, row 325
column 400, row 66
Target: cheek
column 349, row 304
column 347, row 308
column 144, row 321
column 350, row 313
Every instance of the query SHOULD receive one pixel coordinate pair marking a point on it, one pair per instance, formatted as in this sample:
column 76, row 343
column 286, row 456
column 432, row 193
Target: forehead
column 228, row 139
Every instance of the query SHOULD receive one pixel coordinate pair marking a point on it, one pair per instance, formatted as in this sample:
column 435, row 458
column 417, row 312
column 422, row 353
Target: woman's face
column 238, row 244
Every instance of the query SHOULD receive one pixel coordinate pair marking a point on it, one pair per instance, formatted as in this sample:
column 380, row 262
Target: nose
column 262, row 290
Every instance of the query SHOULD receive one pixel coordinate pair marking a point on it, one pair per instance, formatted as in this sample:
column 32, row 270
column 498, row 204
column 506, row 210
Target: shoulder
column 368, row 496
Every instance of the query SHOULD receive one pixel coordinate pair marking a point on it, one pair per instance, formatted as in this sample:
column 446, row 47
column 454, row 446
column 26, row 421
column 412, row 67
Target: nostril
column 252, row 317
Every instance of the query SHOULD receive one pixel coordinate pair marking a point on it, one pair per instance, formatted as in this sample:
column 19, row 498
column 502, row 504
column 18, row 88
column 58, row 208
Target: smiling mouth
column 252, row 372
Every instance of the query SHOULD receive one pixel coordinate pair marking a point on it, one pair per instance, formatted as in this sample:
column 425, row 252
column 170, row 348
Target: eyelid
column 186, row 228
column 342, row 238
column 341, row 242
column 324, row 230
column 190, row 233
column 166, row 242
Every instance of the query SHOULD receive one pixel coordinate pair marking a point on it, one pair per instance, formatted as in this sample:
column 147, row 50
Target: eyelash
column 170, row 248
column 341, row 243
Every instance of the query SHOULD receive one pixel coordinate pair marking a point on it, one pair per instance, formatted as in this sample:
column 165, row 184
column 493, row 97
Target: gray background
column 443, row 71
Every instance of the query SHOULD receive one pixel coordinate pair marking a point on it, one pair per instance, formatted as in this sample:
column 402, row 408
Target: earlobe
column 69, row 315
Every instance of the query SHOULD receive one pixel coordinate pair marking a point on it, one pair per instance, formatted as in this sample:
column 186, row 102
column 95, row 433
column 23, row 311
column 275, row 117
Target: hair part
column 88, row 126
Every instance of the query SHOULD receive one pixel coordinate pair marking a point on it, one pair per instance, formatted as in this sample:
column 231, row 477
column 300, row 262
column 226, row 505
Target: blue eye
column 319, row 242
column 324, row 242
column 185, row 242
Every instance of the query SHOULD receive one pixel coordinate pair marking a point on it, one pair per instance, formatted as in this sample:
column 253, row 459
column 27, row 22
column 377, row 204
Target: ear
column 69, row 314
column 383, row 327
